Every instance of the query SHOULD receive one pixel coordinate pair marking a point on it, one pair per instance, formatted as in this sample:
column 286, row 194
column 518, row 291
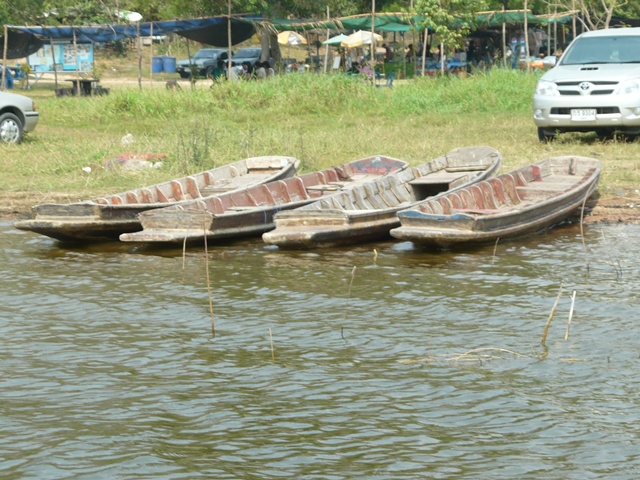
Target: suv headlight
column 628, row 87
column 546, row 88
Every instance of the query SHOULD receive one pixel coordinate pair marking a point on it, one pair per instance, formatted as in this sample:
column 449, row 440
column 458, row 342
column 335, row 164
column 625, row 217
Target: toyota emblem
column 584, row 86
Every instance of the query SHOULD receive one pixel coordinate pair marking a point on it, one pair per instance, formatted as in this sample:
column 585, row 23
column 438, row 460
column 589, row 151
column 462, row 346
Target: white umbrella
column 360, row 38
column 289, row 37
column 337, row 40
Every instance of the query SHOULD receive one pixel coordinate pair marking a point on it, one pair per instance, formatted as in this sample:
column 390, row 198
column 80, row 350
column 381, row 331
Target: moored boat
column 524, row 201
column 250, row 212
column 105, row 218
column 368, row 212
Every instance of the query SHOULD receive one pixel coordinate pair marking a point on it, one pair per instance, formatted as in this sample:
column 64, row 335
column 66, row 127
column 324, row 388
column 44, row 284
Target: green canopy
column 508, row 17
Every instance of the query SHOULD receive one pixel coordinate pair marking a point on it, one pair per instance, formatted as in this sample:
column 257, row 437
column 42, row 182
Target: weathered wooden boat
column 250, row 212
column 368, row 212
column 524, row 201
column 107, row 217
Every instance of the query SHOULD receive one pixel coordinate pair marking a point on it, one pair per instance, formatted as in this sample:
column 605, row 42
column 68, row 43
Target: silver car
column 17, row 115
column 595, row 87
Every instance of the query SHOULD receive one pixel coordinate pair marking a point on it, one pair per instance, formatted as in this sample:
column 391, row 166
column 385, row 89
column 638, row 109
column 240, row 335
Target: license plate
column 583, row 114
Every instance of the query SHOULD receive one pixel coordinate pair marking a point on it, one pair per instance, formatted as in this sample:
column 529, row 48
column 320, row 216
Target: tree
column 595, row 14
column 450, row 21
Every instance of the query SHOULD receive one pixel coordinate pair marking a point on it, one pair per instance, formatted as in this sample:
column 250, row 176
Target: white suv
column 17, row 115
column 594, row 87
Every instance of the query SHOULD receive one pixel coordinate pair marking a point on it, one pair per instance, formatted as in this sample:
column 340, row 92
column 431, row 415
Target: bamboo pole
column 53, row 57
column 75, row 52
column 139, row 55
column 151, row 52
column 553, row 310
column 326, row 49
column 373, row 43
column 526, row 37
column 504, row 39
column 4, row 58
column 573, row 301
column 229, row 44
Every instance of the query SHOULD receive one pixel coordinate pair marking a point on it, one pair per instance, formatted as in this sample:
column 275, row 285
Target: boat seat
column 176, row 189
column 192, row 187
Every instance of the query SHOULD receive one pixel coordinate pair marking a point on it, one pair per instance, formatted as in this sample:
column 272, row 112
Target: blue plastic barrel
column 169, row 64
column 157, row 64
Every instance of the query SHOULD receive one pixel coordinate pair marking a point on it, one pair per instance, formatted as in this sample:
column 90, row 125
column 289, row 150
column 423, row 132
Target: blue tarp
column 199, row 29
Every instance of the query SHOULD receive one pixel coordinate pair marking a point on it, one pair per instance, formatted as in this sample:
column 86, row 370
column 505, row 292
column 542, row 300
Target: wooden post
column 326, row 50
column 139, row 55
column 75, row 53
column 526, row 37
column 228, row 40
column 504, row 39
column 373, row 43
column 151, row 52
column 53, row 58
column 4, row 58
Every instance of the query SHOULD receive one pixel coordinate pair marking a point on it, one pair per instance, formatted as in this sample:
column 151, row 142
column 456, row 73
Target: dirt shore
column 607, row 209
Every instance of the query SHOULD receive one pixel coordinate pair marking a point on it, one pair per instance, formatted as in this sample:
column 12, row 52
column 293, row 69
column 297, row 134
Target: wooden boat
column 524, row 201
column 368, row 212
column 105, row 218
column 250, row 211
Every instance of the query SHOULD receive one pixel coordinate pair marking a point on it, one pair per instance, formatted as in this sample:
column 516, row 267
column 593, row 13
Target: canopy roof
column 209, row 30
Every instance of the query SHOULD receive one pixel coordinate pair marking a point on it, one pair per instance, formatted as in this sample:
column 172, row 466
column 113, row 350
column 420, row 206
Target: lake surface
column 381, row 361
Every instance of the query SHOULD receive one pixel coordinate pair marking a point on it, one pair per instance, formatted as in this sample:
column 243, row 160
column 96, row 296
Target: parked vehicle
column 18, row 115
column 105, row 218
column 203, row 62
column 251, row 55
column 595, row 86
column 522, row 202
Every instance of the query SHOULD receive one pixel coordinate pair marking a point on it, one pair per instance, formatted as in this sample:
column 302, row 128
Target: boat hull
column 368, row 212
column 106, row 218
column 251, row 212
column 536, row 203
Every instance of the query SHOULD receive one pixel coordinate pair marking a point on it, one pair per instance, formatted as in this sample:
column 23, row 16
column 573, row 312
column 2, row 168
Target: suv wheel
column 208, row 72
column 11, row 128
column 546, row 135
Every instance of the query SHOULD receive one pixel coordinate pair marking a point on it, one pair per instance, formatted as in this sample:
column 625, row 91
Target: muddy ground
column 606, row 209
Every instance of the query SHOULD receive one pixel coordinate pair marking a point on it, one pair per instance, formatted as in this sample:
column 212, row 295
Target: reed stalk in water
column 273, row 354
column 573, row 301
column 206, row 266
column 546, row 328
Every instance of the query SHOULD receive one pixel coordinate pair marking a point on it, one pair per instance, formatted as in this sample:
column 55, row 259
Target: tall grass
column 321, row 119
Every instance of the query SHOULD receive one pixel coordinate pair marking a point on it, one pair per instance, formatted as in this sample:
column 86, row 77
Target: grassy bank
column 320, row 119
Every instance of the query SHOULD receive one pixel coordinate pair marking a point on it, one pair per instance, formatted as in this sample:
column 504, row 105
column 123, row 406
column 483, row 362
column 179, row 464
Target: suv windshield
column 614, row 49
column 205, row 53
column 249, row 53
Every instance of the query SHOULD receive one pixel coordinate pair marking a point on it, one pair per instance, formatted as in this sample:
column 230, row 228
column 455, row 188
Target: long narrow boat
column 250, row 212
column 524, row 201
column 105, row 218
column 368, row 212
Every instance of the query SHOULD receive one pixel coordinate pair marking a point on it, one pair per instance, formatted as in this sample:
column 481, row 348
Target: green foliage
column 449, row 20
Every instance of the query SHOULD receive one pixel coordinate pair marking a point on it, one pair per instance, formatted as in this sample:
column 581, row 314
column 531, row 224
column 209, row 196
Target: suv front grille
column 599, row 110
column 597, row 87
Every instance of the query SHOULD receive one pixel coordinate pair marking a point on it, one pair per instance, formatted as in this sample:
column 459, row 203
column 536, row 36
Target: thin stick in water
column 495, row 247
column 546, row 328
column 573, row 301
column 184, row 252
column 206, row 265
column 584, row 245
column 273, row 355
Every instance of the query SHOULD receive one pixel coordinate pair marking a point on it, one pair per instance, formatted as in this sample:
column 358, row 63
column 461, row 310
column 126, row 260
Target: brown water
column 109, row 368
